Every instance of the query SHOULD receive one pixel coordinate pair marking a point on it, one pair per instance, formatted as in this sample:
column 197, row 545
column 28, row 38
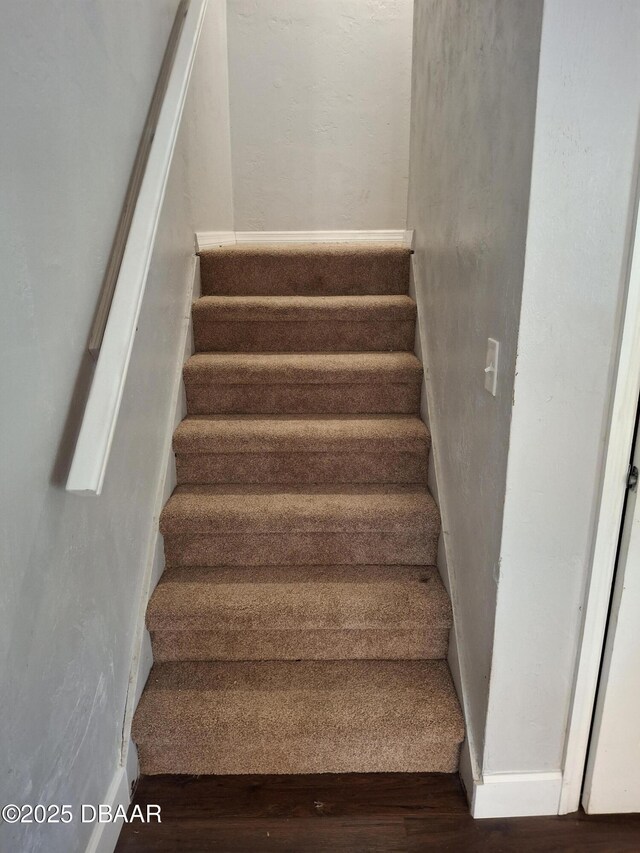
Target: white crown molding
column 213, row 239
column 516, row 795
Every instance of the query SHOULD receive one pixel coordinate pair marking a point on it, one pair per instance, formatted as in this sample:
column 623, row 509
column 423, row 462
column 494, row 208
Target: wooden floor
column 351, row 814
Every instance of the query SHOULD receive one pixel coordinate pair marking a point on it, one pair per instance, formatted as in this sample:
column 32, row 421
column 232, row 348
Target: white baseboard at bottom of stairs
column 104, row 836
column 214, row 239
column 516, row 795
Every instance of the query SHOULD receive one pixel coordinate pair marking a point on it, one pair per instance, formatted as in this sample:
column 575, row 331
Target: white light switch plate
column 491, row 366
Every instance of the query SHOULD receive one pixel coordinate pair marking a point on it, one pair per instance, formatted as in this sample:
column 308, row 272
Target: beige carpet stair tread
column 299, row 509
column 305, row 269
column 299, row 597
column 302, row 368
column 295, row 309
column 300, row 613
column 303, row 383
column 304, row 323
column 303, row 434
column 299, row 717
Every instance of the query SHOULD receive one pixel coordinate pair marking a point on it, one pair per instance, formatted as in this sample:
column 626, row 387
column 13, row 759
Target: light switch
column 491, row 366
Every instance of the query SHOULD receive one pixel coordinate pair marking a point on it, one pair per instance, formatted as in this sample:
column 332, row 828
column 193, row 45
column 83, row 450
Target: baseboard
column 466, row 770
column 145, row 662
column 516, row 795
column 393, row 236
column 104, row 836
column 142, row 655
column 469, row 767
column 214, row 239
column 132, row 767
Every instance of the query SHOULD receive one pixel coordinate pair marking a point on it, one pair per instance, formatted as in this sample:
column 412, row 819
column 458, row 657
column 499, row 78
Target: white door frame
column 612, row 777
column 609, row 519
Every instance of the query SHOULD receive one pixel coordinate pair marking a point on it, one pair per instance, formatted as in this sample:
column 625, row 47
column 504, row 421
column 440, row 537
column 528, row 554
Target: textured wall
column 207, row 127
column 77, row 79
column 581, row 211
column 474, row 94
column 320, row 96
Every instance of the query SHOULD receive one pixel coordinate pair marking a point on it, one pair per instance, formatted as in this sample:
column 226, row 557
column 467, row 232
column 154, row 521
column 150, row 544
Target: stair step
column 303, row 323
column 303, row 383
column 305, row 269
column 300, row 612
column 302, row 368
column 298, row 433
column 300, row 626
column 298, row 449
column 298, row 717
column 300, row 525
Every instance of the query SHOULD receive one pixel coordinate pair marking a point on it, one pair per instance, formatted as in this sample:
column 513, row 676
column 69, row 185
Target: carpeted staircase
column 300, row 626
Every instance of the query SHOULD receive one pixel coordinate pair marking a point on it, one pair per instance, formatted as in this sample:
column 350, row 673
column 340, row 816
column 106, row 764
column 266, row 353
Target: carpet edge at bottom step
column 167, row 758
column 303, row 717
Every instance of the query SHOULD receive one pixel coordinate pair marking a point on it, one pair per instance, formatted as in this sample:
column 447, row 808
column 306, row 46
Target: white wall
column 79, row 78
column 320, row 95
column 582, row 198
column 207, row 127
column 474, row 92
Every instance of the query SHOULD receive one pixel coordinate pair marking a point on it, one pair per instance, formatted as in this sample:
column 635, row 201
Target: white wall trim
column 213, row 239
column 626, row 383
column 94, row 442
column 132, row 766
column 516, row 795
column 465, row 770
column 142, row 656
column 469, row 760
column 409, row 238
column 104, row 836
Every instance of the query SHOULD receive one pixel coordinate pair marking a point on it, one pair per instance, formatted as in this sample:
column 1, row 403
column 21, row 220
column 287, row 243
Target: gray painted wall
column 473, row 107
column 77, row 80
column 531, row 250
column 320, row 95
column 582, row 205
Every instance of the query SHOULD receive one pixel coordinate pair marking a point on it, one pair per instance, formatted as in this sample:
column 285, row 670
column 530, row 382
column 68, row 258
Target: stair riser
column 374, row 274
column 302, row 549
column 392, row 398
column 301, row 468
column 303, row 644
column 310, row 754
column 303, row 337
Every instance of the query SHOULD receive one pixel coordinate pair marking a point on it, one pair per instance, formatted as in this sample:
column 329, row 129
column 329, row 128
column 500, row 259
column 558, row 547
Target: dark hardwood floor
column 351, row 814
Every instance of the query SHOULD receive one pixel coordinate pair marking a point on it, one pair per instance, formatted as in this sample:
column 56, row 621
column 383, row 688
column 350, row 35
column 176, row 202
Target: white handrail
column 93, row 446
